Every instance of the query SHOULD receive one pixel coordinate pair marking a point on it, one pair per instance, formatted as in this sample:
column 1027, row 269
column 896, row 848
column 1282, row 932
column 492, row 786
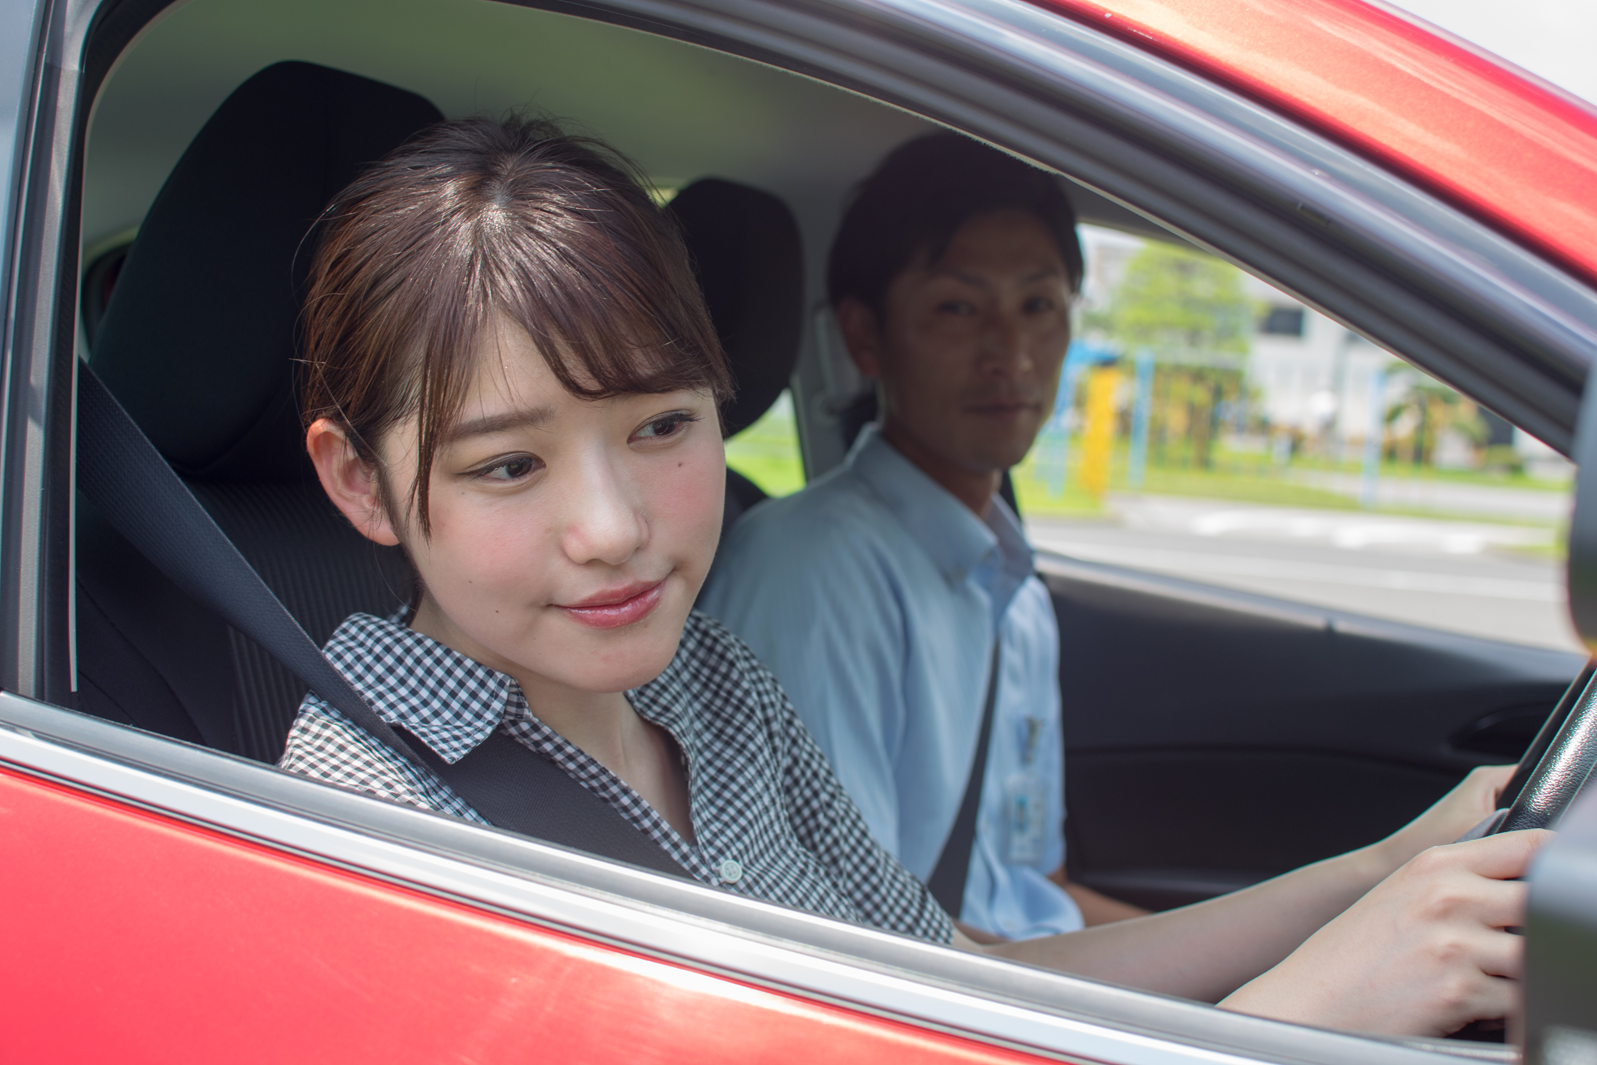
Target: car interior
column 1213, row 737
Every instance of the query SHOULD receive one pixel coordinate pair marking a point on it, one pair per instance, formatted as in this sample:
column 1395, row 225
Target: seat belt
column 511, row 785
column 947, row 882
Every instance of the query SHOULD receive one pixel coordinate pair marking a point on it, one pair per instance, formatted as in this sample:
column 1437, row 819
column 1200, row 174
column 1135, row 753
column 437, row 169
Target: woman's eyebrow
column 530, row 418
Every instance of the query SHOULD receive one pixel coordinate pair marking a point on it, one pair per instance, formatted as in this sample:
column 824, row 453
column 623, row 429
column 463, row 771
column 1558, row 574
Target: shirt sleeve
column 821, row 612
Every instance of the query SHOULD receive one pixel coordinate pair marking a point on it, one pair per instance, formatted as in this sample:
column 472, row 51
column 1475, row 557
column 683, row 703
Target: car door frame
column 1250, row 184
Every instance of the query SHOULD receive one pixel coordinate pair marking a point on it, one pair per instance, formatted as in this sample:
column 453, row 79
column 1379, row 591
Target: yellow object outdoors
column 1098, row 436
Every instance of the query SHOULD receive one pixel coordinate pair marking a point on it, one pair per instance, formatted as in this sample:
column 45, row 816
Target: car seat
column 198, row 344
column 748, row 257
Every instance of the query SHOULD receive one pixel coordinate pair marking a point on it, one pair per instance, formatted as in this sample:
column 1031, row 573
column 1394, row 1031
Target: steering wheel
column 1556, row 765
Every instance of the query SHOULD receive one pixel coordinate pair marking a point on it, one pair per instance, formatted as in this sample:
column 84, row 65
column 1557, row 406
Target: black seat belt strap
column 512, row 786
column 515, row 787
column 947, row 882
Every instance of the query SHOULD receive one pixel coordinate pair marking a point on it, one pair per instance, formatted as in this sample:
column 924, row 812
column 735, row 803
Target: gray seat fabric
column 197, row 342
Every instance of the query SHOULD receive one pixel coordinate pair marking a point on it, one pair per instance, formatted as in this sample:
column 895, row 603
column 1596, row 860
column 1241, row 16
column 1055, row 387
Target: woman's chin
column 618, row 659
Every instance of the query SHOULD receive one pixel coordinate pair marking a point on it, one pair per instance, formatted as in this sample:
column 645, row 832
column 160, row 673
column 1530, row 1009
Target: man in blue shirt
column 877, row 594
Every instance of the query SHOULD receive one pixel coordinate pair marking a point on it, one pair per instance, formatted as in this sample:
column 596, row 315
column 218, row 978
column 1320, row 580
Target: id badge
column 1025, row 806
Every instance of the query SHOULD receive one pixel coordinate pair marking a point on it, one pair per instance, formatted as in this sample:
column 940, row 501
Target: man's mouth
column 615, row 607
column 1003, row 408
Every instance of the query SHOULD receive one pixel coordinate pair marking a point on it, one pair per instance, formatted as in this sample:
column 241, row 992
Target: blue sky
column 1556, row 39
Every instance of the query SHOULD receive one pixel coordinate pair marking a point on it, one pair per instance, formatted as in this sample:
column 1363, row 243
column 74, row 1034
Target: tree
column 1173, row 299
column 1187, row 307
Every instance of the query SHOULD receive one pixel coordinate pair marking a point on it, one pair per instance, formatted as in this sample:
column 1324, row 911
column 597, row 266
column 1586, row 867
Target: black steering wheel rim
column 1557, row 764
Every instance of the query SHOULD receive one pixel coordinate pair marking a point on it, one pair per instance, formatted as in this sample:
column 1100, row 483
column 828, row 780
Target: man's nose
column 604, row 521
column 1006, row 346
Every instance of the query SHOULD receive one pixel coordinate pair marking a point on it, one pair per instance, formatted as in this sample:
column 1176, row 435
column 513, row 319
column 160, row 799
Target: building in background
column 1312, row 387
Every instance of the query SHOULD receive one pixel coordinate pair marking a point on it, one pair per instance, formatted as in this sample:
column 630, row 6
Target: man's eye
column 511, row 469
column 1039, row 305
column 666, row 425
column 959, row 307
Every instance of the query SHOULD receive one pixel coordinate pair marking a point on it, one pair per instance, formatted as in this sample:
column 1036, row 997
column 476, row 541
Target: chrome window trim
column 706, row 929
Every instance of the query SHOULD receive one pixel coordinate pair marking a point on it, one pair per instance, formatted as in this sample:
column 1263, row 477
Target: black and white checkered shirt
column 771, row 820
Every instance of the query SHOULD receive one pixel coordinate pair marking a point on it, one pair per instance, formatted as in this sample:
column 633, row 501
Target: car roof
column 1496, row 141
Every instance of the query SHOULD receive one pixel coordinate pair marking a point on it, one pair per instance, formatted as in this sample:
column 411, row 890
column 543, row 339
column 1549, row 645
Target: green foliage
column 767, row 452
column 1174, row 298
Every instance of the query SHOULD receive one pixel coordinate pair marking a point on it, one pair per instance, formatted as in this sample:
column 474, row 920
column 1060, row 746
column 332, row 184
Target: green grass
column 1242, row 477
column 767, row 452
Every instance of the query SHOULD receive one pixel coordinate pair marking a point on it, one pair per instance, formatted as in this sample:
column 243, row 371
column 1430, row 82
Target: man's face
column 968, row 349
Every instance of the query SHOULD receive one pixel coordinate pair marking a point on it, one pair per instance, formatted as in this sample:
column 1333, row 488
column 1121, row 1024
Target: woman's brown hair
column 475, row 219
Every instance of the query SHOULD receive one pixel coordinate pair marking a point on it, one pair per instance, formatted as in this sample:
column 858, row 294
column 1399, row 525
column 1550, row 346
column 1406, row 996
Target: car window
column 1211, row 427
column 768, row 452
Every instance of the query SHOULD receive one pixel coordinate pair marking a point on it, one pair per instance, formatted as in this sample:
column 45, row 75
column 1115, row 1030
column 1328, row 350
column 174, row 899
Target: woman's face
column 569, row 537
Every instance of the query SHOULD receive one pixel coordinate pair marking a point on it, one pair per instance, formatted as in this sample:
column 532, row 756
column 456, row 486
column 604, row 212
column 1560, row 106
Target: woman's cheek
column 491, row 549
column 688, row 501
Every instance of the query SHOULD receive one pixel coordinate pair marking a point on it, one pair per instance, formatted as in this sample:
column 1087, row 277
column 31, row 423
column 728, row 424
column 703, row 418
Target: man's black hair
column 920, row 196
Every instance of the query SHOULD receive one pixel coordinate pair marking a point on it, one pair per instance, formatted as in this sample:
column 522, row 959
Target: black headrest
column 750, row 263
column 198, row 338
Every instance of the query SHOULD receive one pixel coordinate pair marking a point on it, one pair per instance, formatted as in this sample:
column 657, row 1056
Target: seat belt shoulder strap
column 947, row 882
column 122, row 474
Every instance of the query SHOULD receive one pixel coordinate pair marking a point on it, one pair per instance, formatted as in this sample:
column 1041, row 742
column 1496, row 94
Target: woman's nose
column 603, row 522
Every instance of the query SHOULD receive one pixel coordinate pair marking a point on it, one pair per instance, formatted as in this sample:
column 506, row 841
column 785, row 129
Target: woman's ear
column 861, row 335
column 349, row 482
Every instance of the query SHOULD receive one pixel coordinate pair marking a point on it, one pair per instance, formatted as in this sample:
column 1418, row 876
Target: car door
column 1231, row 175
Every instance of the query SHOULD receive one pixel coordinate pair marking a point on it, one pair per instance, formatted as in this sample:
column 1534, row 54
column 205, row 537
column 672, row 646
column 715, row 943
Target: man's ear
column 350, row 483
column 862, row 335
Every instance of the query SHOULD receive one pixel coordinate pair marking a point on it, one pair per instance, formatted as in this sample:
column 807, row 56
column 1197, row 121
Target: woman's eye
column 513, row 469
column 1039, row 305
column 666, row 425
column 957, row 307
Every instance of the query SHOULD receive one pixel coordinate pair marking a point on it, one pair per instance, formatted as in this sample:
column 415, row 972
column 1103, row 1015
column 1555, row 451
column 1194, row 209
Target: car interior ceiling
column 197, row 343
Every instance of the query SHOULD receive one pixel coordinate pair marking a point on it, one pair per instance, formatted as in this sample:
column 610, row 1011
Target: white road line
column 1198, row 563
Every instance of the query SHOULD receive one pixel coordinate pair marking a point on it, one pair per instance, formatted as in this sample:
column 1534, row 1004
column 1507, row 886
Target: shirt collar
column 962, row 545
column 451, row 702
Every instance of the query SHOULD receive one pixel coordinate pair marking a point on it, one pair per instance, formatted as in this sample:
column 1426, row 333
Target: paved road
column 1460, row 576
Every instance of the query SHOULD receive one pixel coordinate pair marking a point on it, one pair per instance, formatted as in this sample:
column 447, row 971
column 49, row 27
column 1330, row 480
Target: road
column 1464, row 576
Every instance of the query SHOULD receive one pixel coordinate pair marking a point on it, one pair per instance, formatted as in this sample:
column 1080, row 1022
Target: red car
column 170, row 896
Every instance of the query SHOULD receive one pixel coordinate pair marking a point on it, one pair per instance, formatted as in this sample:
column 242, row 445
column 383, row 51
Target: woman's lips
column 611, row 610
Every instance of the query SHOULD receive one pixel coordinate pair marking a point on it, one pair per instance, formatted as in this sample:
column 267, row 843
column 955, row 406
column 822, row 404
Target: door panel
column 1215, row 737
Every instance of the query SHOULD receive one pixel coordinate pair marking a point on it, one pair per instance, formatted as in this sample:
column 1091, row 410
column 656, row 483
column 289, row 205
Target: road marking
column 1195, row 563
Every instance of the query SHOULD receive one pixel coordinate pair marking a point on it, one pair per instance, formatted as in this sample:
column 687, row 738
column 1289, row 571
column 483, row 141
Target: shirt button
column 730, row 871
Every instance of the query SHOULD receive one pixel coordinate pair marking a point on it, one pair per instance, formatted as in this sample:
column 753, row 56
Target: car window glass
column 1211, row 427
column 767, row 452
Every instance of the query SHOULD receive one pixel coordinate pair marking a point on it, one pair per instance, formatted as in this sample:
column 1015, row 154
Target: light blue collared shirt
column 874, row 596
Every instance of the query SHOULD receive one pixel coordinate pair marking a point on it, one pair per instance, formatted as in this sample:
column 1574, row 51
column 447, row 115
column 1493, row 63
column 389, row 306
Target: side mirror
column 1582, row 566
column 1561, row 927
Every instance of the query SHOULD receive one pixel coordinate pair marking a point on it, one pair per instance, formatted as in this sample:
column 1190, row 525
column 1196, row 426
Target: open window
column 1193, row 704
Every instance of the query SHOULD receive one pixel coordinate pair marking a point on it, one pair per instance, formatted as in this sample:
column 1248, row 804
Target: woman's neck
column 602, row 724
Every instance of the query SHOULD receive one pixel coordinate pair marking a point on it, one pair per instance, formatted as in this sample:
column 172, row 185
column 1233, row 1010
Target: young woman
column 511, row 374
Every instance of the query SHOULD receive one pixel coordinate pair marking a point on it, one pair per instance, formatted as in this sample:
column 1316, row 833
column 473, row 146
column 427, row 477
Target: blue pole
column 1140, row 409
column 1373, row 438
